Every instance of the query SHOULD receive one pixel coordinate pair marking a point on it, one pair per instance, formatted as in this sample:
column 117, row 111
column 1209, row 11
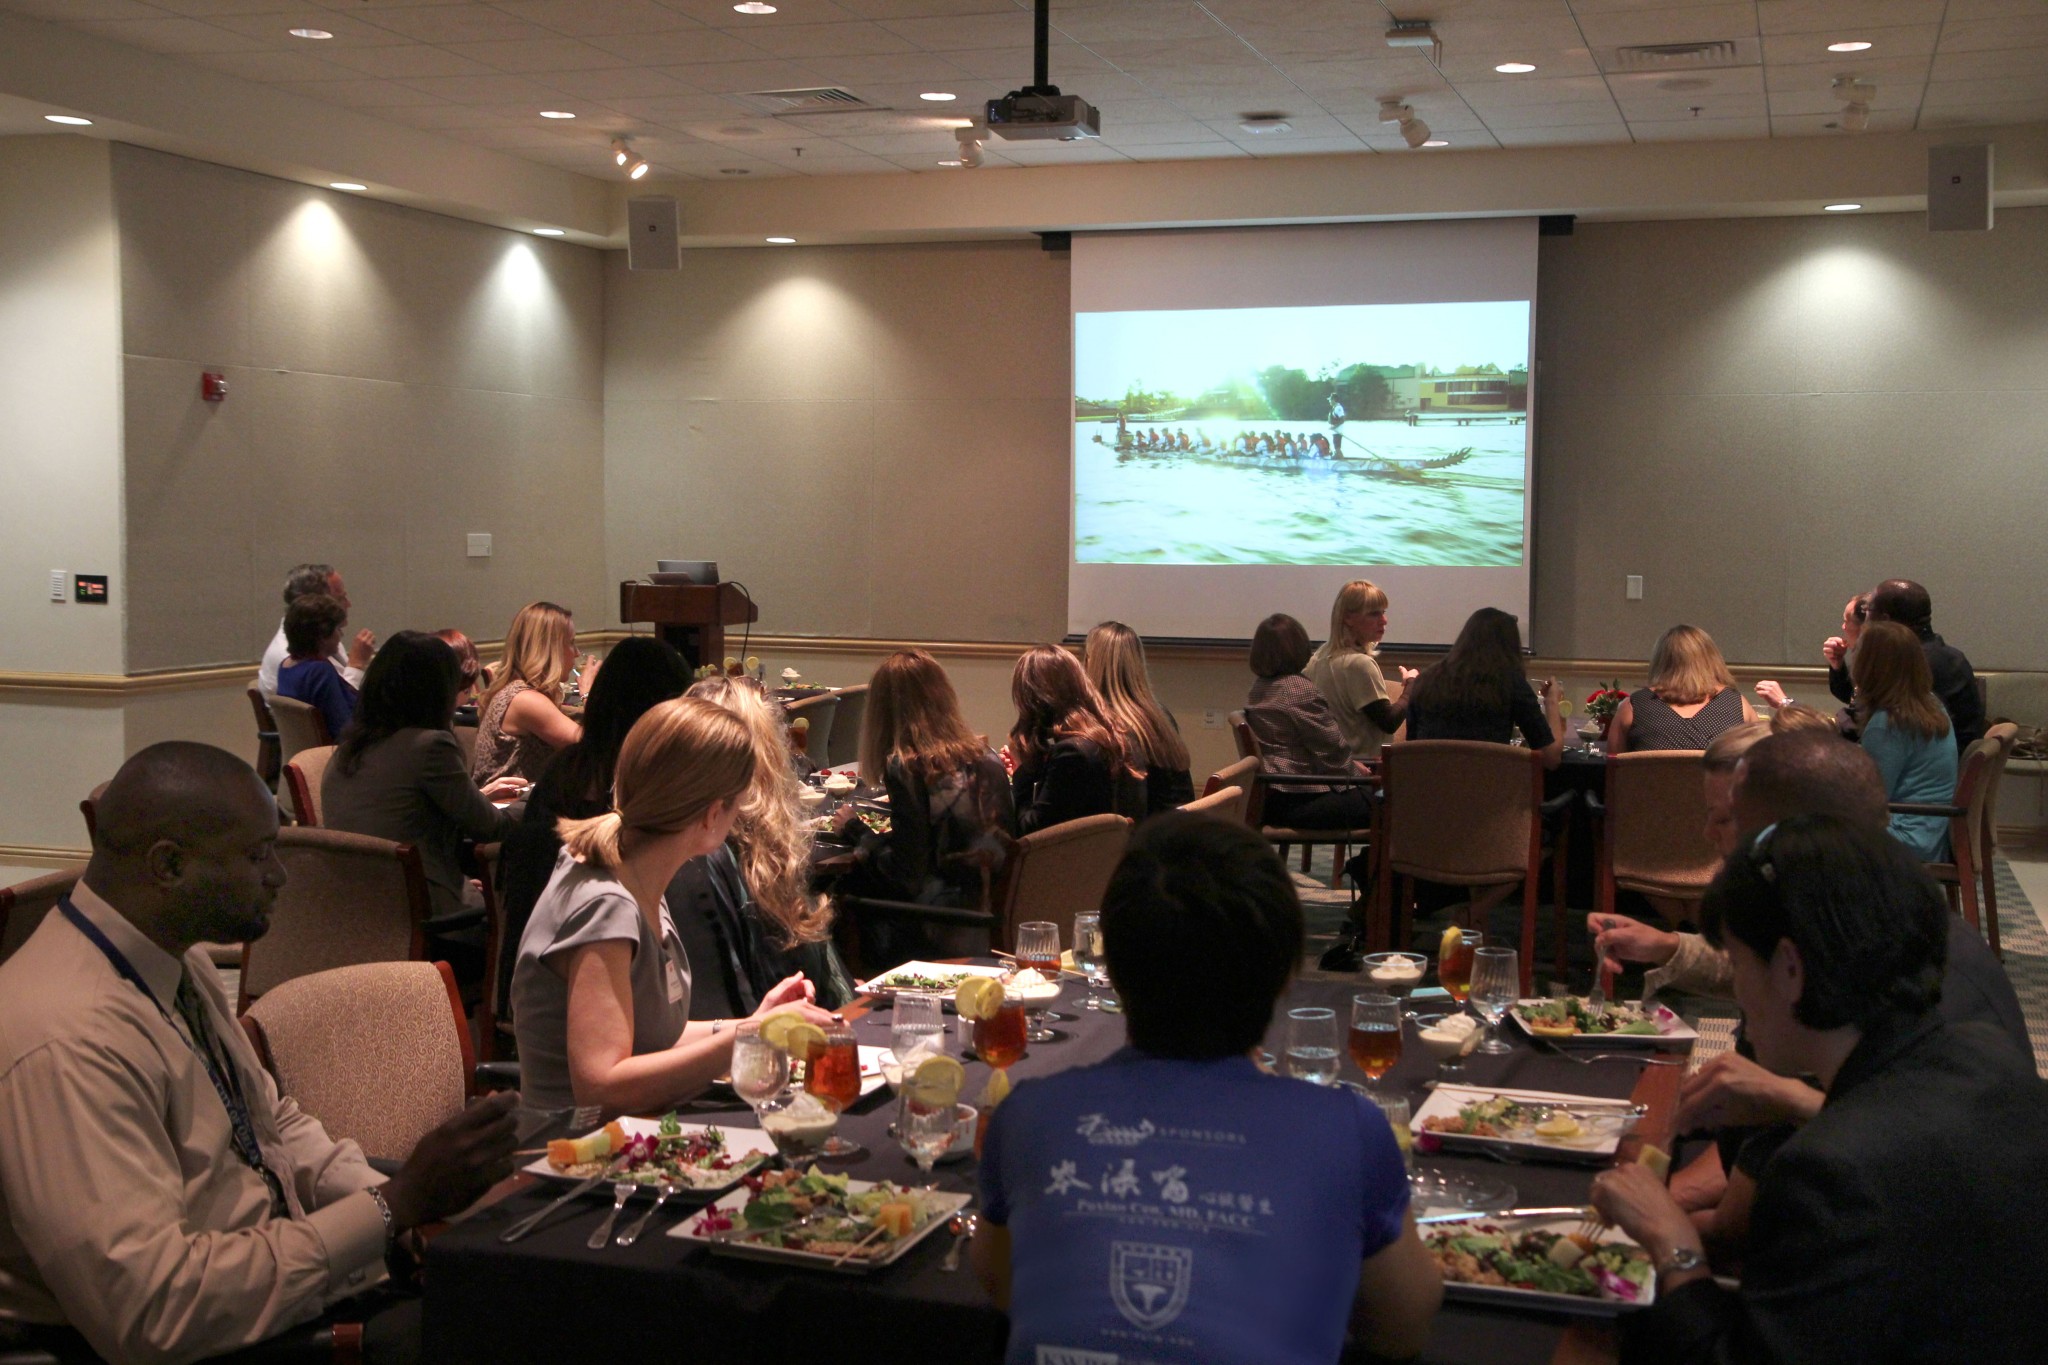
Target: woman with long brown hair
column 1479, row 691
column 748, row 903
column 601, row 989
column 1114, row 658
column 520, row 721
column 1691, row 697
column 1907, row 731
column 1069, row 760
column 950, row 807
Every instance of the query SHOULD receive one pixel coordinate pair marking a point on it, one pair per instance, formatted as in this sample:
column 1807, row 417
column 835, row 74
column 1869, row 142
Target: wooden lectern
column 690, row 617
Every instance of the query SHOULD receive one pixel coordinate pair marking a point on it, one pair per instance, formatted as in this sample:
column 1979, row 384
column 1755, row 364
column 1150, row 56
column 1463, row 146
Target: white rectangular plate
column 884, row 984
column 1677, row 1032
column 740, row 1143
column 1446, row 1100
column 944, row 1207
column 1508, row 1297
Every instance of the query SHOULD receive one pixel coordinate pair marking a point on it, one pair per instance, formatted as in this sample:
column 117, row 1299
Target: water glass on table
column 1496, row 985
column 759, row 1072
column 1092, row 964
column 1312, row 1044
column 916, row 1021
column 1375, row 1035
column 925, row 1131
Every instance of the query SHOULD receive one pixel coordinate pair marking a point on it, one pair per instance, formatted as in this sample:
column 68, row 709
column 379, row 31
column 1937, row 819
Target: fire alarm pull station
column 213, row 387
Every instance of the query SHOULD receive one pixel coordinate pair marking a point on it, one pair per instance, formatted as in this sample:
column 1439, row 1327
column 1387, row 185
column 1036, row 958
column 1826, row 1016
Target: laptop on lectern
column 672, row 572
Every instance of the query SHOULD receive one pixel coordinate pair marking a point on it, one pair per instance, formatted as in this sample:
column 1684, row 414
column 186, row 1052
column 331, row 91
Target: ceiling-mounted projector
column 1030, row 114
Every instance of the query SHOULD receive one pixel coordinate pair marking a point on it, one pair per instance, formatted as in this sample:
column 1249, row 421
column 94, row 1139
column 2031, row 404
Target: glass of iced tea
column 832, row 1076
column 1454, row 962
column 1375, row 1035
column 1000, row 1041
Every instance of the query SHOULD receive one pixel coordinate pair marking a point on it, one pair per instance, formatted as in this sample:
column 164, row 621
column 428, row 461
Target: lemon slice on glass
column 978, row 997
column 937, row 1083
column 996, row 1091
column 775, row 1028
column 801, row 1039
column 1450, row 941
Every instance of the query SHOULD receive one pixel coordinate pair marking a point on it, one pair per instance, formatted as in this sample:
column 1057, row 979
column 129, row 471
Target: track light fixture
column 622, row 151
column 624, row 155
column 1414, row 131
column 970, row 139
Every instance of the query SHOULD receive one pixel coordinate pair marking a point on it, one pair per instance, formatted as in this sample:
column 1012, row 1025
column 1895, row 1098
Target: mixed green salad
column 1571, row 1015
column 1541, row 1261
column 819, row 1213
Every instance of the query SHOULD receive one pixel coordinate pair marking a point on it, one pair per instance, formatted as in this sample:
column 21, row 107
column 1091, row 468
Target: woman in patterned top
column 1691, row 697
column 520, row 721
column 1298, row 735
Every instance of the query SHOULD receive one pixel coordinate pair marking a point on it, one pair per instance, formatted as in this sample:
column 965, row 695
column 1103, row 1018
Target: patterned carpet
column 2024, row 941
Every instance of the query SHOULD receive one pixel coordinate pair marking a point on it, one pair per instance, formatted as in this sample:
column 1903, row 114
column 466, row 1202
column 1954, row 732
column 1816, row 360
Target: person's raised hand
column 1621, row 939
column 362, row 649
column 1009, row 760
column 1834, row 649
column 796, row 992
column 1408, row 675
column 1634, row 1199
column 1734, row 1092
column 452, row 1166
column 1773, row 695
column 506, row 788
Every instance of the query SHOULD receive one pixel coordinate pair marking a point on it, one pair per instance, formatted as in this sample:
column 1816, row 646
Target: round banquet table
column 548, row 1297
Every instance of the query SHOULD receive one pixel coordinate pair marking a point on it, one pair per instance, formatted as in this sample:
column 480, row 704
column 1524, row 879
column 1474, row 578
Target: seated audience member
column 520, row 721
column 1203, row 932
column 1906, row 1220
column 1905, row 602
column 304, row 581
column 1907, row 731
column 1835, row 650
column 470, row 674
column 1346, row 670
column 159, row 1200
column 399, row 774
column 1794, row 716
column 1299, row 736
column 745, row 910
column 1070, row 759
column 312, row 630
column 639, row 673
column 951, row 813
column 1691, row 697
column 1114, row 659
column 1479, row 691
column 601, row 987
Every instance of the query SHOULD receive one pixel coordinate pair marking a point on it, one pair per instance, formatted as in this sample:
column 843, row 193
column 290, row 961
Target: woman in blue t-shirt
column 1907, row 731
column 1174, row 1202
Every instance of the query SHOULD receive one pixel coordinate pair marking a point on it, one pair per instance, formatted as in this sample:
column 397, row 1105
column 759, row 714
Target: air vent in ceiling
column 1679, row 56
column 823, row 99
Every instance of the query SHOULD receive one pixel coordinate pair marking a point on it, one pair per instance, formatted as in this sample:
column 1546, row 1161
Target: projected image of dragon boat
column 1317, row 456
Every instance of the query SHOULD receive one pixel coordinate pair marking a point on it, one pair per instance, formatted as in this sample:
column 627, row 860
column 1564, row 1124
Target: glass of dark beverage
column 1375, row 1035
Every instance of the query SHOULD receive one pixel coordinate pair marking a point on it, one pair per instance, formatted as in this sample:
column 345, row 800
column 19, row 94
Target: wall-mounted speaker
column 1959, row 188
column 653, row 234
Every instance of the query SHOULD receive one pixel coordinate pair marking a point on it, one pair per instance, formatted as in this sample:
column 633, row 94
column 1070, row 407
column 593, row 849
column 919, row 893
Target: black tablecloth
column 550, row 1298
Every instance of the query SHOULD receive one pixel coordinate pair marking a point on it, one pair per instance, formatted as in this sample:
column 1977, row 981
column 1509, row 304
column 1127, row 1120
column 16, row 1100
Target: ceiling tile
column 798, row 41
column 853, row 164
column 1904, row 72
column 272, row 67
column 1840, row 20
column 1712, row 108
column 406, row 61
column 1269, row 147
column 496, row 89
column 1699, row 129
column 1004, row 28
column 2004, row 90
column 1396, row 76
column 1970, row 66
column 168, row 35
column 77, row 11
column 273, row 29
column 1912, row 40
column 595, row 18
column 720, row 13
column 367, row 94
column 213, row 9
column 930, row 71
column 1059, row 153
column 1830, row 125
column 609, row 87
column 1892, row 97
column 678, row 47
column 921, row 9
column 1984, row 115
column 1562, row 136
column 1687, row 24
column 1143, row 21
column 1130, row 135
column 1518, row 94
column 1187, row 151
column 1551, row 115
column 2029, row 30
column 731, row 78
column 540, row 54
column 1960, row 11
column 675, row 110
column 466, row 23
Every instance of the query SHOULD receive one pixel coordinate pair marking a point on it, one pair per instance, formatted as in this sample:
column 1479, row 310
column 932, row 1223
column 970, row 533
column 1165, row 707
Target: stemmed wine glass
column 759, row 1072
column 1312, row 1044
column 1496, row 985
column 1088, row 956
column 832, row 1076
column 1038, row 947
column 925, row 1130
column 1375, row 1036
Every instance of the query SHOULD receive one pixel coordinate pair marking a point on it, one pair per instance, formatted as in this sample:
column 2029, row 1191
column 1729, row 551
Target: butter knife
column 532, row 1221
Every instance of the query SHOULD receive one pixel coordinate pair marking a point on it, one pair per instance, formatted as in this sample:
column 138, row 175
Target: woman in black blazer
column 1068, row 759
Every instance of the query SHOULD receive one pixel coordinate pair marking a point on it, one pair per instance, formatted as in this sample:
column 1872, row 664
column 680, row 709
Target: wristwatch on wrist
column 1684, row 1258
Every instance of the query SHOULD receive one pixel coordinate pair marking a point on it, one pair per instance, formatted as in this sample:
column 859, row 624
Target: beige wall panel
column 396, row 380
column 60, row 403
column 644, row 496
column 56, row 752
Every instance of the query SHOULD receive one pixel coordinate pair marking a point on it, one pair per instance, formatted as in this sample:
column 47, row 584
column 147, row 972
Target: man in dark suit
column 1955, row 682
column 1907, row 1220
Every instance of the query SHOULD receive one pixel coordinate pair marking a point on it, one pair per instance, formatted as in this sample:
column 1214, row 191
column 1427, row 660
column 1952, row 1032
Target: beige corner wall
column 396, row 379
column 1762, row 416
column 873, row 439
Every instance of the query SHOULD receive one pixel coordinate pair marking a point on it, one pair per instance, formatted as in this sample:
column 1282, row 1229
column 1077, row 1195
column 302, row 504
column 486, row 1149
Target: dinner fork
column 639, row 1225
column 621, row 1192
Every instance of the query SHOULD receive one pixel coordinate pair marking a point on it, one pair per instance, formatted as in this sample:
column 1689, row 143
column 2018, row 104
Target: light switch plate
column 479, row 545
column 1212, row 720
column 58, row 579
column 1635, row 587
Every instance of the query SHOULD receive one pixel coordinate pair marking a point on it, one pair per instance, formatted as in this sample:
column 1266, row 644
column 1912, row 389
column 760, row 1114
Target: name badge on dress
column 675, row 982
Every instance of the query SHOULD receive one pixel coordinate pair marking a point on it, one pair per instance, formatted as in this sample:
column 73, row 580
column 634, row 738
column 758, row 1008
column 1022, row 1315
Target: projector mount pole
column 1041, row 50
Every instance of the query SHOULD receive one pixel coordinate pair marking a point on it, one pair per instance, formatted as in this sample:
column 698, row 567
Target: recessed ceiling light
column 556, row 113
column 547, row 232
column 782, row 241
column 1849, row 47
column 954, row 162
column 1436, row 142
column 1840, row 208
column 69, row 120
column 734, row 170
column 1514, row 68
column 753, row 7
column 938, row 96
column 345, row 185
column 1265, row 123
column 310, row 33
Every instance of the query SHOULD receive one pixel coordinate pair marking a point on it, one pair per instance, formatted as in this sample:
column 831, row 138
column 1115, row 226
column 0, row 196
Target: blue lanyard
column 221, row 1071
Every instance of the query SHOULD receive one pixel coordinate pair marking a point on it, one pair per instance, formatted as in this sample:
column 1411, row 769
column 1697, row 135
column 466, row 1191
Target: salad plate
column 827, row 1222
column 1528, row 1124
column 1568, row 1022
column 1526, row 1264
column 938, row 978
column 697, row 1158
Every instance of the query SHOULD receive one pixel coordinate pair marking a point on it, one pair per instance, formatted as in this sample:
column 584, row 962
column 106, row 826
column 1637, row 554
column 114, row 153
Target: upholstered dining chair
column 501, row 947
column 846, row 723
column 2007, row 734
column 1650, row 833
column 303, row 775
column 299, row 726
column 1059, row 872
column 817, row 712
column 89, row 808
column 1969, row 849
column 1463, row 813
column 269, row 756
column 1241, row 774
column 379, row 1051
column 23, row 905
column 347, row 899
column 1226, row 803
column 1285, row 837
